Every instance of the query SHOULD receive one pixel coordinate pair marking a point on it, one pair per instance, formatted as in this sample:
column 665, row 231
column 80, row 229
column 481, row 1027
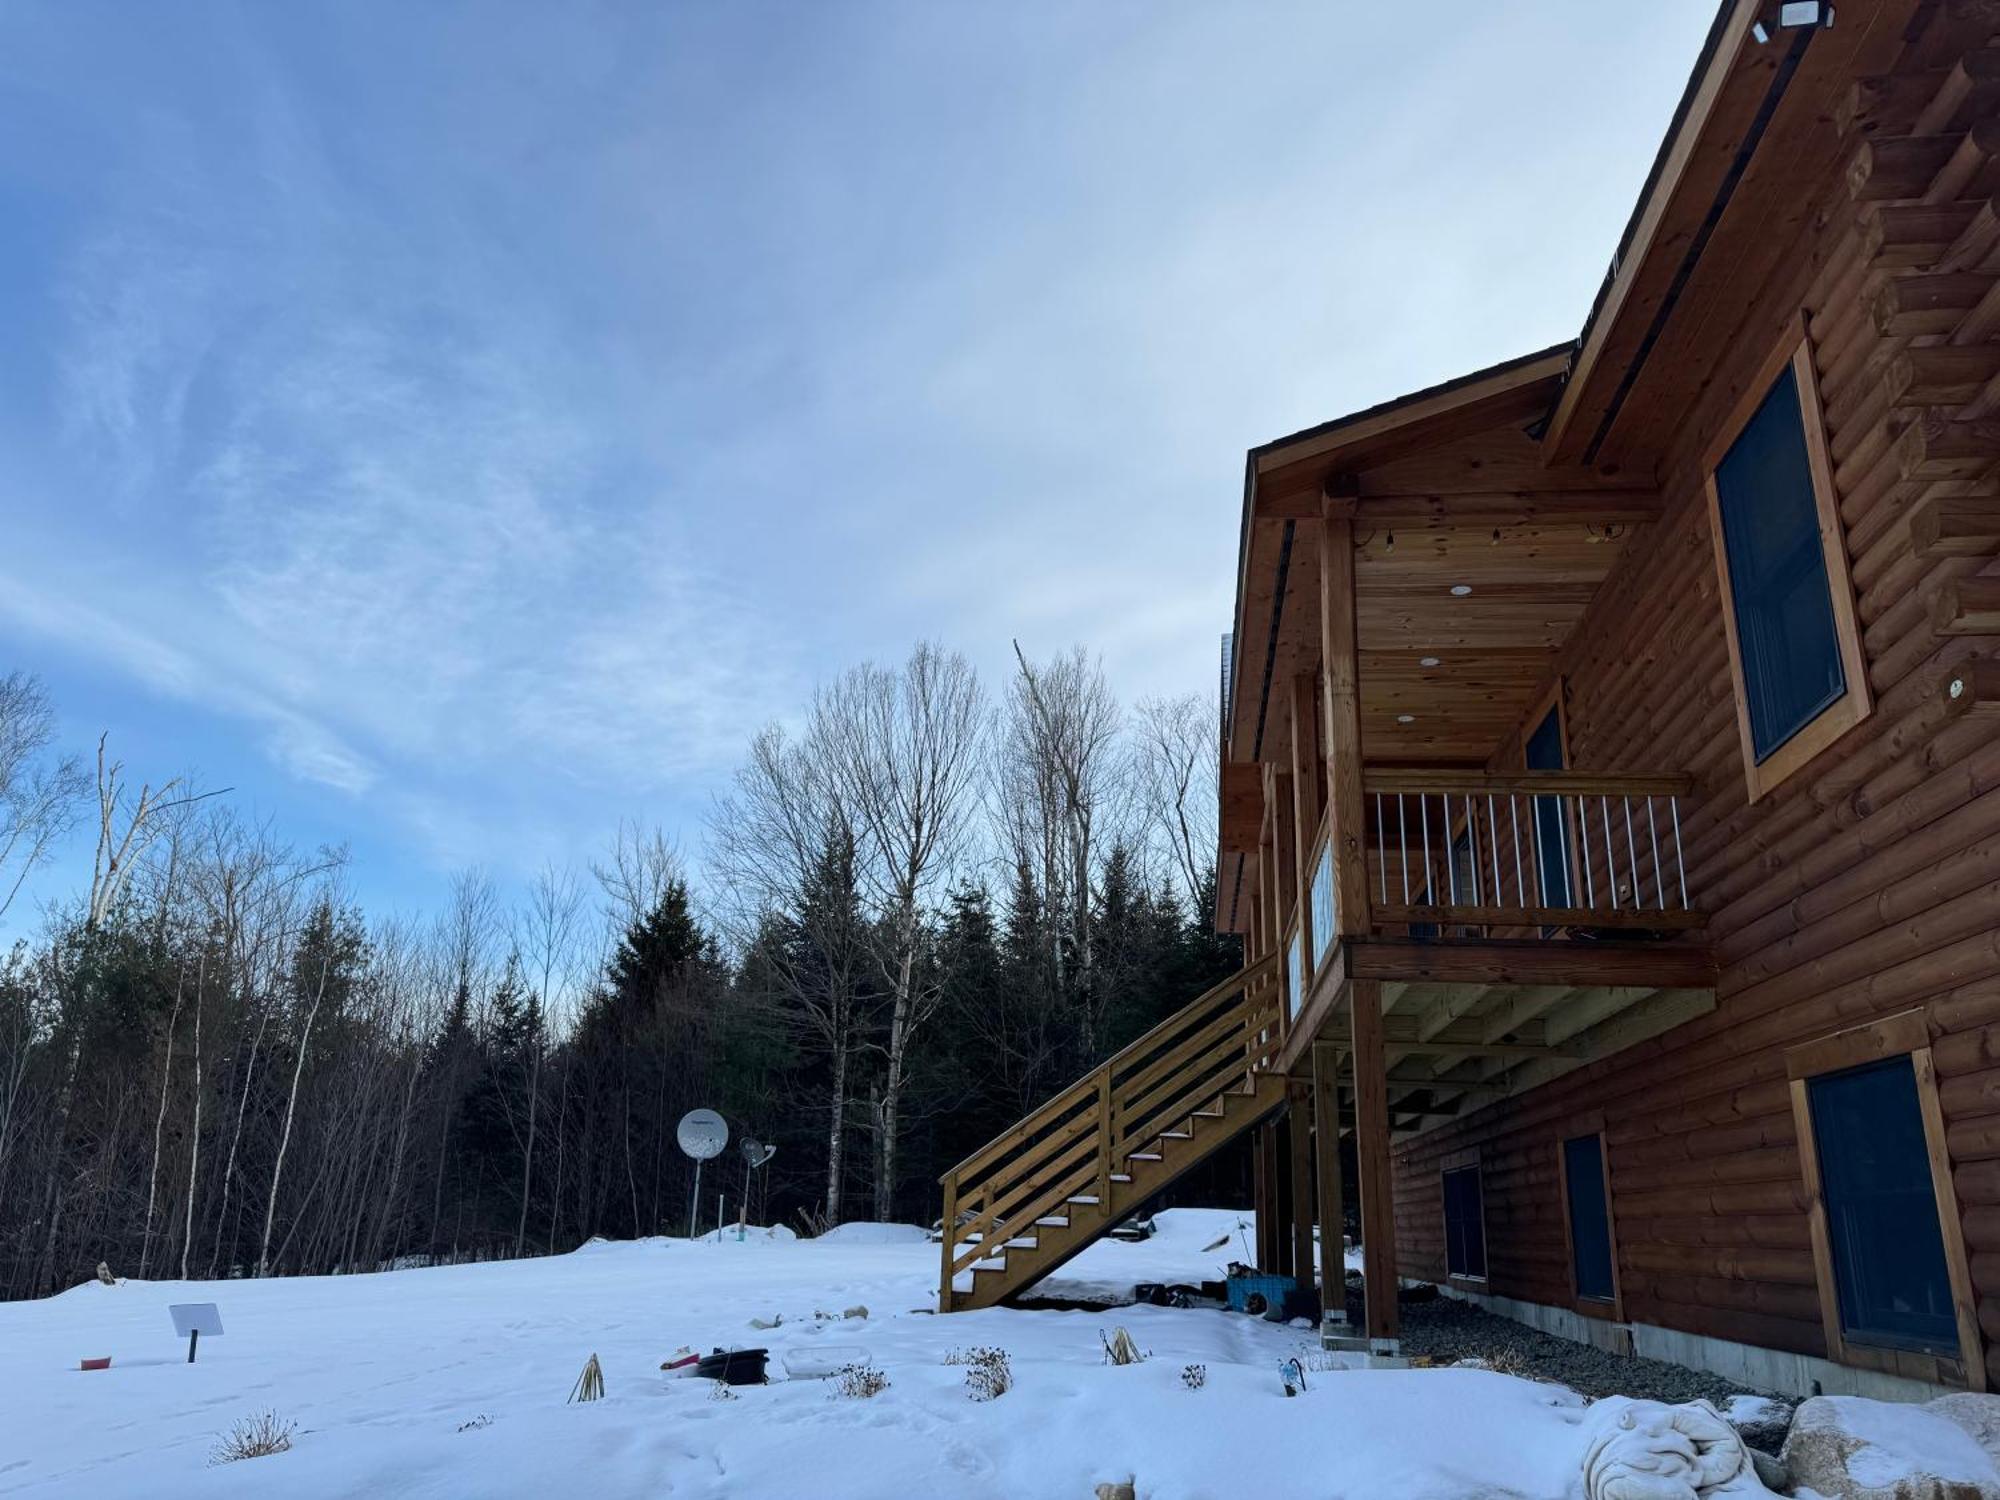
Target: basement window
column 1888, row 1248
column 1881, row 1216
column 1464, row 1223
column 1587, row 1205
column 1788, row 607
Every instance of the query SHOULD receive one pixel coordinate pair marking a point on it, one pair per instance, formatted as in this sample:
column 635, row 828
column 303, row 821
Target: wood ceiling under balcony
column 1447, row 490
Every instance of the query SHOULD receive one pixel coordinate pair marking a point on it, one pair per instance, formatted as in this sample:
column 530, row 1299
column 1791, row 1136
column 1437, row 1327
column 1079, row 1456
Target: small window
column 1464, row 1224
column 1795, row 648
column 1881, row 1212
column 1589, row 1218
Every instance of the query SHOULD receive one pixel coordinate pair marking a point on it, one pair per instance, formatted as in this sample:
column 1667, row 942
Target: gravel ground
column 1446, row 1330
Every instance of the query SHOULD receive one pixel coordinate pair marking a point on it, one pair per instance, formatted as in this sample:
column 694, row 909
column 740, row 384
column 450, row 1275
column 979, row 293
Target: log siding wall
column 1865, row 884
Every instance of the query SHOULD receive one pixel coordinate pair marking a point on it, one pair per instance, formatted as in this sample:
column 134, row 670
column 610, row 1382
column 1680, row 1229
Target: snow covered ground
column 382, row 1372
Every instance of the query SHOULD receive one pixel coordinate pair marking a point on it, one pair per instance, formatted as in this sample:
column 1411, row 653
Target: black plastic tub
column 734, row 1366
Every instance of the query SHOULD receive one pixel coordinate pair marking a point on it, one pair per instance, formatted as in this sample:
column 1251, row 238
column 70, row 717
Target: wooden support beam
column 1496, row 508
column 1341, row 692
column 1911, row 234
column 1298, row 1123
column 1528, row 961
column 1973, row 688
column 1371, row 1148
column 1326, row 1160
column 1967, row 606
column 1934, row 446
column 1263, row 1195
column 1912, row 305
column 1897, row 166
column 1941, row 374
column 1955, row 526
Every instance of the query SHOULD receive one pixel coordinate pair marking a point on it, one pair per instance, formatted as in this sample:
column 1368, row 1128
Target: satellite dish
column 755, row 1152
column 702, row 1133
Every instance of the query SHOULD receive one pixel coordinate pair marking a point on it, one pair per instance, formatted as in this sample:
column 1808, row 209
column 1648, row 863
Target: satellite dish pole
column 702, row 1133
column 755, row 1154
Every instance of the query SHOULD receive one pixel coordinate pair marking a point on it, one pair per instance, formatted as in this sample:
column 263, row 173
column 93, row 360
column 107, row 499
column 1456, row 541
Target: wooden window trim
column 1612, row 1309
column 1902, row 1035
column 1458, row 1161
column 1855, row 704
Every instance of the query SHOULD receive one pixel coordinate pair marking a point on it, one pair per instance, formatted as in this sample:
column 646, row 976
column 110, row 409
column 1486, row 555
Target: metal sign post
column 702, row 1133
column 194, row 1319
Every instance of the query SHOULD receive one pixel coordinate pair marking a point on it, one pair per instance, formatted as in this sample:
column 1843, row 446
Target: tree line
column 916, row 911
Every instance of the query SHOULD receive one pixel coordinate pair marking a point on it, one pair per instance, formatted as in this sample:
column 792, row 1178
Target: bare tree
column 905, row 746
column 39, row 797
column 1175, row 768
column 1063, row 798
column 782, row 845
column 547, row 937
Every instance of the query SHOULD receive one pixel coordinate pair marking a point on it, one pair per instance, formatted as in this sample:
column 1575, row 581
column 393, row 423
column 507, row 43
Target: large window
column 1588, row 1207
column 1464, row 1223
column 1794, row 645
column 1888, row 1249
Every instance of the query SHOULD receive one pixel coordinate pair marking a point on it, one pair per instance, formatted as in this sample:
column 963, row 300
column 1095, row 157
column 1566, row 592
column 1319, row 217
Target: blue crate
column 1277, row 1292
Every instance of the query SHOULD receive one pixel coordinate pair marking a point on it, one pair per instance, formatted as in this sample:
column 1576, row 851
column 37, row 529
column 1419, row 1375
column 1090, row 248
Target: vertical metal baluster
column 1403, row 844
column 1472, row 842
column 1632, row 853
column 1610, row 855
column 1381, row 849
column 1514, row 818
column 1424, row 813
column 1680, row 855
column 1450, row 859
column 1535, row 847
column 1653, row 832
column 1493, row 845
column 1583, row 847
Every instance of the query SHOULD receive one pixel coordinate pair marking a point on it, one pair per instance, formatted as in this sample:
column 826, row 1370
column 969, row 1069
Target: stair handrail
column 1243, row 978
column 1058, row 1156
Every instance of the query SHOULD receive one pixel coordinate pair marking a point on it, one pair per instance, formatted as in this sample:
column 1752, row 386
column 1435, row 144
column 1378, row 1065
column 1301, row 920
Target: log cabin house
column 1610, row 796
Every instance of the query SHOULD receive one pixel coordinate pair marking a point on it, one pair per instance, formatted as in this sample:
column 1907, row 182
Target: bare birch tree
column 1175, row 767
column 905, row 745
column 39, row 797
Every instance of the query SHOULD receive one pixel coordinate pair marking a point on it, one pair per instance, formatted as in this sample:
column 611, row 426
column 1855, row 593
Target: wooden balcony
column 1515, row 926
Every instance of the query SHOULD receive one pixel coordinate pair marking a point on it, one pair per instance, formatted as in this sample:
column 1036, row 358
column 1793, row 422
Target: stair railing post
column 1104, row 1138
column 948, row 1228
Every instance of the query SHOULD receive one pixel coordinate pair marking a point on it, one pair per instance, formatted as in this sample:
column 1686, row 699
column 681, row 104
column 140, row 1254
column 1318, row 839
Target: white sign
column 196, row 1317
column 702, row 1133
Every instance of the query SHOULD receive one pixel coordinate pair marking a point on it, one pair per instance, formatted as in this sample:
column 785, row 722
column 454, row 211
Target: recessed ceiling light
column 1461, row 589
column 1406, row 718
column 1427, row 661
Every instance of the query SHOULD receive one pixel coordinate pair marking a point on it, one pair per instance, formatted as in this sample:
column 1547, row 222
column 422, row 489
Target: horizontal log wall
column 1867, row 883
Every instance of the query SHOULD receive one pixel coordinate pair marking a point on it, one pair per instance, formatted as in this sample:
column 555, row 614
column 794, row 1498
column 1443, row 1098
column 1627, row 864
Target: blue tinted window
column 1589, row 1216
column 1464, row 1223
column 1881, row 1210
column 1777, row 572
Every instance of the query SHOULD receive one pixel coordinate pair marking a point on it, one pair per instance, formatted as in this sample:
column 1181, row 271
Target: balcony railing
column 1528, row 849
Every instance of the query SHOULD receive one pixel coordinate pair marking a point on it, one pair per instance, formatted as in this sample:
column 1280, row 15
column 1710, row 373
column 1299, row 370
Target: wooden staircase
column 1089, row 1158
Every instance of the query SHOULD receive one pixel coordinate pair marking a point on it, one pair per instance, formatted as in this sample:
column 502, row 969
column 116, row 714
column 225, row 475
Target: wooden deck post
column 1299, row 1119
column 1326, row 1157
column 1371, row 1148
column 1268, row 1242
column 1342, row 739
column 948, row 1240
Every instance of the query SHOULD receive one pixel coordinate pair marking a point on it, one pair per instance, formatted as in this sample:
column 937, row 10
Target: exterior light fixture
column 1427, row 661
column 1406, row 718
column 1460, row 590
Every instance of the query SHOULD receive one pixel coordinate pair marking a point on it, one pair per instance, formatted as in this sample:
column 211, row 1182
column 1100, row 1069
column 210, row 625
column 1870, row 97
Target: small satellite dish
column 702, row 1133
column 755, row 1152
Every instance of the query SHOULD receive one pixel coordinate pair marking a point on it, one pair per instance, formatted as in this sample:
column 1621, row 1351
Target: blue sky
column 458, row 428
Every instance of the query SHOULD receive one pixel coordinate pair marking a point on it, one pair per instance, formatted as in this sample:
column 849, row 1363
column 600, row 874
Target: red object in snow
column 98, row 1364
